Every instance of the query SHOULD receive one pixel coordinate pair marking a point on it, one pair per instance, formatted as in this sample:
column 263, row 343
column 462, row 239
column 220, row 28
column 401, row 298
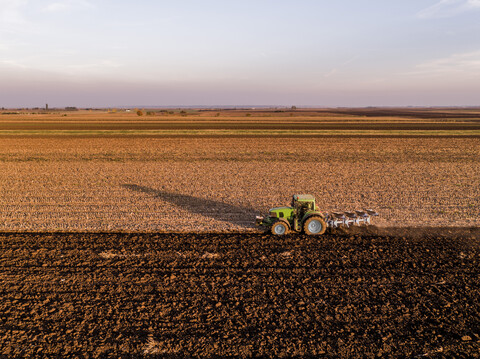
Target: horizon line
column 232, row 107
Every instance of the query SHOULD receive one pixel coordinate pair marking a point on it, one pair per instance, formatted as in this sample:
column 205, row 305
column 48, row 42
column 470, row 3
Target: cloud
column 81, row 70
column 11, row 12
column 94, row 67
column 448, row 8
column 473, row 3
column 338, row 69
column 68, row 5
column 467, row 63
column 9, row 63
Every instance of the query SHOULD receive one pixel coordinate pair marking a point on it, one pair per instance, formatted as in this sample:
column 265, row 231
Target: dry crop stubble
column 219, row 184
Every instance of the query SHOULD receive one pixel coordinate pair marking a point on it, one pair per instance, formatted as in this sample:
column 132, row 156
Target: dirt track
column 241, row 295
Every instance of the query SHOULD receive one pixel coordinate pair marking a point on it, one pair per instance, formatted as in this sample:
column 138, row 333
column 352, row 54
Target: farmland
column 122, row 172
column 244, row 122
column 240, row 295
column 127, row 235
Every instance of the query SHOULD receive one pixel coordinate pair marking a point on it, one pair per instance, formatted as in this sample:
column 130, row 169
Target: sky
column 114, row 53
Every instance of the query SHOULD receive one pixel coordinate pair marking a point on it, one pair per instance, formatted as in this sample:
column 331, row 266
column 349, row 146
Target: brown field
column 407, row 288
column 244, row 122
column 146, row 181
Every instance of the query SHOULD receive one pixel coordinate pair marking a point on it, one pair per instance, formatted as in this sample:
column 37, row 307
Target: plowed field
column 240, row 295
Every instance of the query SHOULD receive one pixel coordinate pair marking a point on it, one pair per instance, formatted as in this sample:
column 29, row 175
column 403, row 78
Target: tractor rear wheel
column 315, row 226
column 279, row 228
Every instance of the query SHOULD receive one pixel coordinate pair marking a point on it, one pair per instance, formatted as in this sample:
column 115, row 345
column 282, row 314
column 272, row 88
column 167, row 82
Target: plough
column 347, row 219
column 304, row 216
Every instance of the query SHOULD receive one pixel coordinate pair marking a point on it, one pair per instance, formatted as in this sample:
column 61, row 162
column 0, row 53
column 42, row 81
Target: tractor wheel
column 314, row 226
column 279, row 228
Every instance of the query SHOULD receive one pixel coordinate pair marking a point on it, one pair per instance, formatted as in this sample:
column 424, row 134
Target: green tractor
column 302, row 216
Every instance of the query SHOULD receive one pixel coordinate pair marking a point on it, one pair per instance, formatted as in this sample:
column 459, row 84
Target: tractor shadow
column 237, row 215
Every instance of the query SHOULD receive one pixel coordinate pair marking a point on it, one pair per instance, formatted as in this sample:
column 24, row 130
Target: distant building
column 46, row 107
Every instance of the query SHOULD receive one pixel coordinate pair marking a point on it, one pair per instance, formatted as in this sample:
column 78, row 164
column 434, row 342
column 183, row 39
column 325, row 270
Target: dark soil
column 423, row 113
column 240, row 295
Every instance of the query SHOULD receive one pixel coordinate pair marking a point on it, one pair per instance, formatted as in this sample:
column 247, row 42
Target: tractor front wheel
column 315, row 226
column 279, row 228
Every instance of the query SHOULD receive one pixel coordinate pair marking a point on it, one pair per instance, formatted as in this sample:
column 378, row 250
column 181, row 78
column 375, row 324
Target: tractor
column 304, row 216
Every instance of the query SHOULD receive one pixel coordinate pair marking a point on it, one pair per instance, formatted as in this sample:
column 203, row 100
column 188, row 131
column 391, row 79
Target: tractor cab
column 303, row 203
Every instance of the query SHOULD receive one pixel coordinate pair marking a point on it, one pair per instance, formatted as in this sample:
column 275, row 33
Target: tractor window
column 281, row 214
